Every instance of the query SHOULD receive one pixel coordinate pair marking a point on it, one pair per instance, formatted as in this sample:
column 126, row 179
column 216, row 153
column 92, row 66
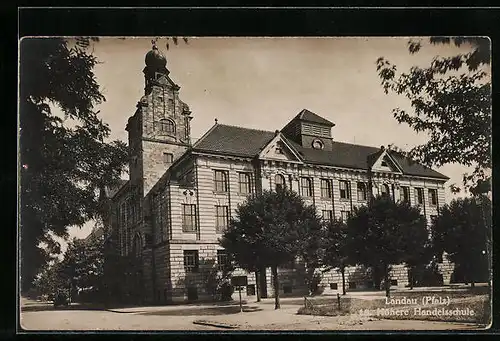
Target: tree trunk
column 342, row 271
column 257, row 285
column 377, row 276
column 386, row 281
column 276, row 285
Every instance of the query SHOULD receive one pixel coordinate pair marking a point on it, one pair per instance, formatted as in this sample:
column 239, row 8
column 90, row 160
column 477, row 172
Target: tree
column 270, row 230
column 462, row 230
column 386, row 233
column 336, row 248
column 66, row 158
column 451, row 102
column 49, row 280
column 83, row 265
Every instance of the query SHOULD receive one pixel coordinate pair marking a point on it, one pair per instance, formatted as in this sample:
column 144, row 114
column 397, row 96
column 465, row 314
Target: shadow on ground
column 203, row 311
column 50, row 307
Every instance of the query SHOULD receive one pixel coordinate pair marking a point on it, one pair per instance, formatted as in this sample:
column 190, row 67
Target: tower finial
column 216, row 120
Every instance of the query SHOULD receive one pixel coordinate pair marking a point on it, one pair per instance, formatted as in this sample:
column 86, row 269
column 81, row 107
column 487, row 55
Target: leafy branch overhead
column 174, row 40
column 67, row 160
column 451, row 102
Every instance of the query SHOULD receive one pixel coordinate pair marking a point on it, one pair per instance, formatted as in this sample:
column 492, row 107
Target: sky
column 263, row 83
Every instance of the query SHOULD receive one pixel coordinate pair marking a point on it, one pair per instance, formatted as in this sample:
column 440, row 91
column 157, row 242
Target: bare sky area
column 264, row 82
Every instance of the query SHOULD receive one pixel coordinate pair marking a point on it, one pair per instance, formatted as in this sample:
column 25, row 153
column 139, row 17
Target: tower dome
column 155, row 59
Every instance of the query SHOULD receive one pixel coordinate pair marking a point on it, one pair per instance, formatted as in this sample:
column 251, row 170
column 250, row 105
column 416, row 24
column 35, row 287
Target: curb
column 216, row 324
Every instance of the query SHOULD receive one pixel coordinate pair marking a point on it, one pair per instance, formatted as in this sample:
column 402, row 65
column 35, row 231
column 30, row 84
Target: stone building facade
column 179, row 198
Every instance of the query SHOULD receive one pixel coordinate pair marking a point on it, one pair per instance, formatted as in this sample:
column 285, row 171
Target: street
column 256, row 316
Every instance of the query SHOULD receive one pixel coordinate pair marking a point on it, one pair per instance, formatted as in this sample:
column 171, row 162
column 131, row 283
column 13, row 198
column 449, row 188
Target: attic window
column 317, row 144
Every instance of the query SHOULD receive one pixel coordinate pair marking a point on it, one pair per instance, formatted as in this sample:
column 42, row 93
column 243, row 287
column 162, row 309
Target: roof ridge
column 355, row 144
column 254, row 129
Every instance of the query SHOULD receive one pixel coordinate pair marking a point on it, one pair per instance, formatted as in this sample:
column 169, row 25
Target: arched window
column 137, row 246
column 167, row 126
column 279, row 181
column 385, row 190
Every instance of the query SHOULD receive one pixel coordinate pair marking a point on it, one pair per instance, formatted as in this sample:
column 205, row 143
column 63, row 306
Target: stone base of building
column 292, row 284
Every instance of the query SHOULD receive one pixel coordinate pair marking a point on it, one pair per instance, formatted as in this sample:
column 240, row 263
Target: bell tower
column 159, row 131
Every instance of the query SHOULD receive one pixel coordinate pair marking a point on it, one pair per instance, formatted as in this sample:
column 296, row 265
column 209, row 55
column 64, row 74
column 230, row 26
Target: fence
column 327, row 305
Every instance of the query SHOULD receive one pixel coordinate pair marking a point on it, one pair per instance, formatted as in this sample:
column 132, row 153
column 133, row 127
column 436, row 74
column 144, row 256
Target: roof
column 309, row 116
column 232, row 140
column 357, row 156
column 112, row 190
column 238, row 141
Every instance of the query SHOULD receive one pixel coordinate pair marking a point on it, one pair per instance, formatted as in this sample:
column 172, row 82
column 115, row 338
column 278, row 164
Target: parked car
column 61, row 298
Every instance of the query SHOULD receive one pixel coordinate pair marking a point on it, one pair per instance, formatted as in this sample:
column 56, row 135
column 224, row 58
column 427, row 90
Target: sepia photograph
column 227, row 184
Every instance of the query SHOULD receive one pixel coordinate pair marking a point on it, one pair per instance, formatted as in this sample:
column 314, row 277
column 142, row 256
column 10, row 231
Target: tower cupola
column 156, row 66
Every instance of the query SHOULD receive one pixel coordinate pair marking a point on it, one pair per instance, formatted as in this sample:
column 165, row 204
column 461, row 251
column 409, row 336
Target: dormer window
column 317, row 144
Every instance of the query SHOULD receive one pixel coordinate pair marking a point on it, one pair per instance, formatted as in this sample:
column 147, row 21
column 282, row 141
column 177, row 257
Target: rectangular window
column 245, row 183
column 419, row 196
column 306, row 187
column 344, row 215
column 344, row 189
column 220, row 181
column 362, row 192
column 222, row 260
column 168, row 157
column 221, row 218
column 404, row 194
column 327, row 215
column 433, row 200
column 191, row 260
column 326, row 188
column 251, row 290
column 188, row 218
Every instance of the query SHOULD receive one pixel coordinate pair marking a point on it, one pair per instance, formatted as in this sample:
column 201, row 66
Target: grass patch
column 464, row 306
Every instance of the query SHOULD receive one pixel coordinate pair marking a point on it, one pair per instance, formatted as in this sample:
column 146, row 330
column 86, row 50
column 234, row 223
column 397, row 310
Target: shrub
column 225, row 292
column 315, row 287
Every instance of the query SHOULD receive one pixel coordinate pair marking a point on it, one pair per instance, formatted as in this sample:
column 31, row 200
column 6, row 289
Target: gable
column 165, row 80
column 385, row 163
column 277, row 149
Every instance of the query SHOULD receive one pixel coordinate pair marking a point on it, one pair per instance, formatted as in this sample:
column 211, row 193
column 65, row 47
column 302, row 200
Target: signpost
column 239, row 281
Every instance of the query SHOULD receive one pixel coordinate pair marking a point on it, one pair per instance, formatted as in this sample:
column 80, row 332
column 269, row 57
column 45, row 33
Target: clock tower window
column 167, row 126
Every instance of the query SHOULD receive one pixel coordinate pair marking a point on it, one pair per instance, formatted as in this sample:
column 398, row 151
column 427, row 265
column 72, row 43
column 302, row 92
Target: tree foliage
column 270, row 230
column 385, row 233
column 451, row 102
column 463, row 230
column 66, row 160
column 335, row 245
column 81, row 268
column 49, row 280
column 83, row 263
